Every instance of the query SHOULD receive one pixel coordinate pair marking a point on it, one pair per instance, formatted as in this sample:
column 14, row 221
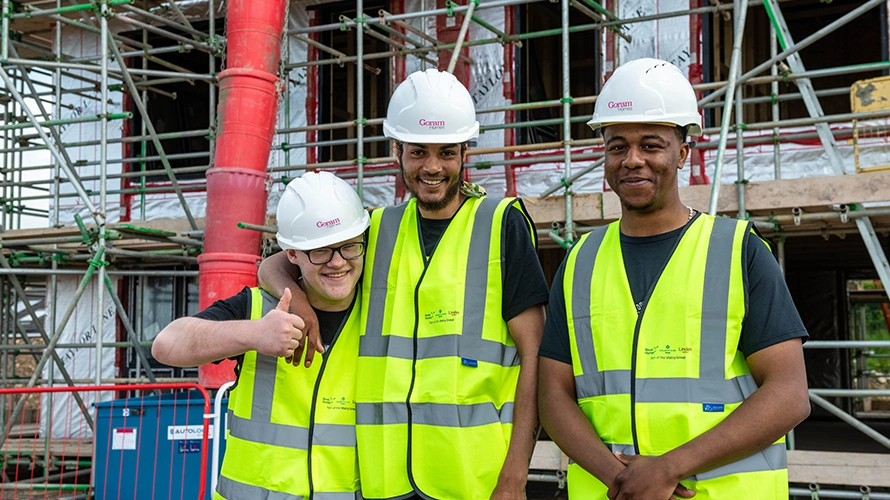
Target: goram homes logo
column 667, row 352
column 328, row 223
column 441, row 316
column 432, row 124
column 621, row 106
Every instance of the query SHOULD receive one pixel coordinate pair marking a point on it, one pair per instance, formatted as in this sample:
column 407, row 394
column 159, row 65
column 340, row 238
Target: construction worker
column 453, row 311
column 291, row 430
column 672, row 350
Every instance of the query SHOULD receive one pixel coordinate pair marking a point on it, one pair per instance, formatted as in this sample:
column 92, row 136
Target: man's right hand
column 280, row 331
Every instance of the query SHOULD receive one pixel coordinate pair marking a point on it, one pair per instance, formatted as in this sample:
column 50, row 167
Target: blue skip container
column 150, row 447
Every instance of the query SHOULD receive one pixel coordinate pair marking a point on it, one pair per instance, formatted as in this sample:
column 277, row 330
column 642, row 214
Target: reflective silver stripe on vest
column 584, row 260
column 387, row 234
column 665, row 390
column 440, row 415
column 476, row 286
column 627, row 449
column 287, row 436
column 234, row 490
column 455, row 345
column 590, row 385
column 773, row 457
column 337, row 495
column 715, row 300
column 333, row 435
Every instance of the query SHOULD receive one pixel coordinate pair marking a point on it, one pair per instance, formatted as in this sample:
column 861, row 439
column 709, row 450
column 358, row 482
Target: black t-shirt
column 237, row 307
column 771, row 316
column 524, row 282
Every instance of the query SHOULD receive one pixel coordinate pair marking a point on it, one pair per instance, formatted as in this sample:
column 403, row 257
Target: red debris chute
column 238, row 185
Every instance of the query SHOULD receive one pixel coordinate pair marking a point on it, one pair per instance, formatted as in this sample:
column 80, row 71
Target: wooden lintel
column 853, row 469
column 766, row 196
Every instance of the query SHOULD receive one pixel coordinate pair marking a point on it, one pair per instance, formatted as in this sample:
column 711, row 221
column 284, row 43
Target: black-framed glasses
column 349, row 251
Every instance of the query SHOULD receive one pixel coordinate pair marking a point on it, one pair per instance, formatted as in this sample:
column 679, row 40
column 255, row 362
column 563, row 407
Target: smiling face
column 641, row 164
column 331, row 286
column 432, row 173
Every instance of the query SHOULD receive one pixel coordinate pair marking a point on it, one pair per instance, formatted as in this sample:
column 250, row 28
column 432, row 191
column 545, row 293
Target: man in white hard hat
column 291, row 430
column 453, row 300
column 672, row 351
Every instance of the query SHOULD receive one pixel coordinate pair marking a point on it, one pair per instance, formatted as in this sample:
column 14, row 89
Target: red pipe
column 312, row 91
column 238, row 185
column 510, row 97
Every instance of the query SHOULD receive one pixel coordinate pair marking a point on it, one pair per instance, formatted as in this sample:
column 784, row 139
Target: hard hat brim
column 432, row 138
column 343, row 235
column 693, row 129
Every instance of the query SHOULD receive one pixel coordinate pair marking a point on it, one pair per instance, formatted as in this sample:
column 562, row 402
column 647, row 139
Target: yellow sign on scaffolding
column 871, row 141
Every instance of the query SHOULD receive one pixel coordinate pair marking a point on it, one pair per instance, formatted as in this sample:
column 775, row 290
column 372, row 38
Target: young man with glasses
column 291, row 431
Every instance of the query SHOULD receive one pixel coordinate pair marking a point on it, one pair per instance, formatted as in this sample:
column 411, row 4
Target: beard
column 432, row 205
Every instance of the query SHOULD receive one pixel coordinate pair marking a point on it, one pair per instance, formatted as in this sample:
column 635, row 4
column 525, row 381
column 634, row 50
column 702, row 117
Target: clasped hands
column 646, row 478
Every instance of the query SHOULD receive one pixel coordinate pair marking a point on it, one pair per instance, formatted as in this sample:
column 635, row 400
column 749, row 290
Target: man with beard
column 672, row 351
column 453, row 307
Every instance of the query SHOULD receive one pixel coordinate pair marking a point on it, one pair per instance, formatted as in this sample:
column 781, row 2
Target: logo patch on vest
column 712, row 408
column 338, row 403
column 440, row 316
column 472, row 363
column 667, row 352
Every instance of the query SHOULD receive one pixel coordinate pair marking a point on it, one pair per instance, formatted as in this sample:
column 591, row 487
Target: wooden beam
column 823, row 468
column 852, row 469
column 781, row 195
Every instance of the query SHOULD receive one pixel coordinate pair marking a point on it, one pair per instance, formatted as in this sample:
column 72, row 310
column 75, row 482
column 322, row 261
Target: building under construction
column 139, row 174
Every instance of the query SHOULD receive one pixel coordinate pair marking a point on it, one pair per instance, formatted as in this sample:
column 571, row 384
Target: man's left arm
column 526, row 330
column 525, row 293
column 780, row 403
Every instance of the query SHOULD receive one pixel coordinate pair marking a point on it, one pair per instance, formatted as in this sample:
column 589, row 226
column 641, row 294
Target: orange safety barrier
column 152, row 446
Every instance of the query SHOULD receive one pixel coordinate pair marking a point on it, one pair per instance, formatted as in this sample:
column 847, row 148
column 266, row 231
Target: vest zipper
column 636, row 339
column 324, row 361
column 426, row 265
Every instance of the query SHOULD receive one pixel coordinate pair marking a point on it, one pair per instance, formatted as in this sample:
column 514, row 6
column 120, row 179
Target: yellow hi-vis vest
column 434, row 402
column 653, row 381
column 291, row 430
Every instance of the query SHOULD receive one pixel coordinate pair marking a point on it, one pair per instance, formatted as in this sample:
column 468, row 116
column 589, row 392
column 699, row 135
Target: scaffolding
column 38, row 76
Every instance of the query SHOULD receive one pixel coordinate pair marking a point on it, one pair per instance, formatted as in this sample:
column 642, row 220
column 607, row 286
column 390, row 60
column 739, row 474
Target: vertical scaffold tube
column 237, row 185
column 569, row 236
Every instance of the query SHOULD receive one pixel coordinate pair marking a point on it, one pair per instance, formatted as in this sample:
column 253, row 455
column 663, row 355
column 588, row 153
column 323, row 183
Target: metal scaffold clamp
column 449, row 7
column 866, row 491
column 814, row 491
column 845, row 213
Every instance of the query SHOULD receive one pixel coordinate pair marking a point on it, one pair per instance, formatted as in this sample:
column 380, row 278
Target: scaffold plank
column 853, row 469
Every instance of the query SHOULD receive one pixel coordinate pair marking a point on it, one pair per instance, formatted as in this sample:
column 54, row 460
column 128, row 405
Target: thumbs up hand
column 280, row 331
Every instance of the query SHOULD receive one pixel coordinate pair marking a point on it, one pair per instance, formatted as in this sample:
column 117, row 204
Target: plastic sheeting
column 67, row 420
column 667, row 38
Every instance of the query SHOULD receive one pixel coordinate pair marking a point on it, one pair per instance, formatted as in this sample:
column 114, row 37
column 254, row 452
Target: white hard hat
column 647, row 91
column 431, row 107
column 319, row 209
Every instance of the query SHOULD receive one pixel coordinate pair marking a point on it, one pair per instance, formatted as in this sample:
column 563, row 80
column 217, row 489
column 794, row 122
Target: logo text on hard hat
column 432, row 124
column 328, row 223
column 621, row 106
